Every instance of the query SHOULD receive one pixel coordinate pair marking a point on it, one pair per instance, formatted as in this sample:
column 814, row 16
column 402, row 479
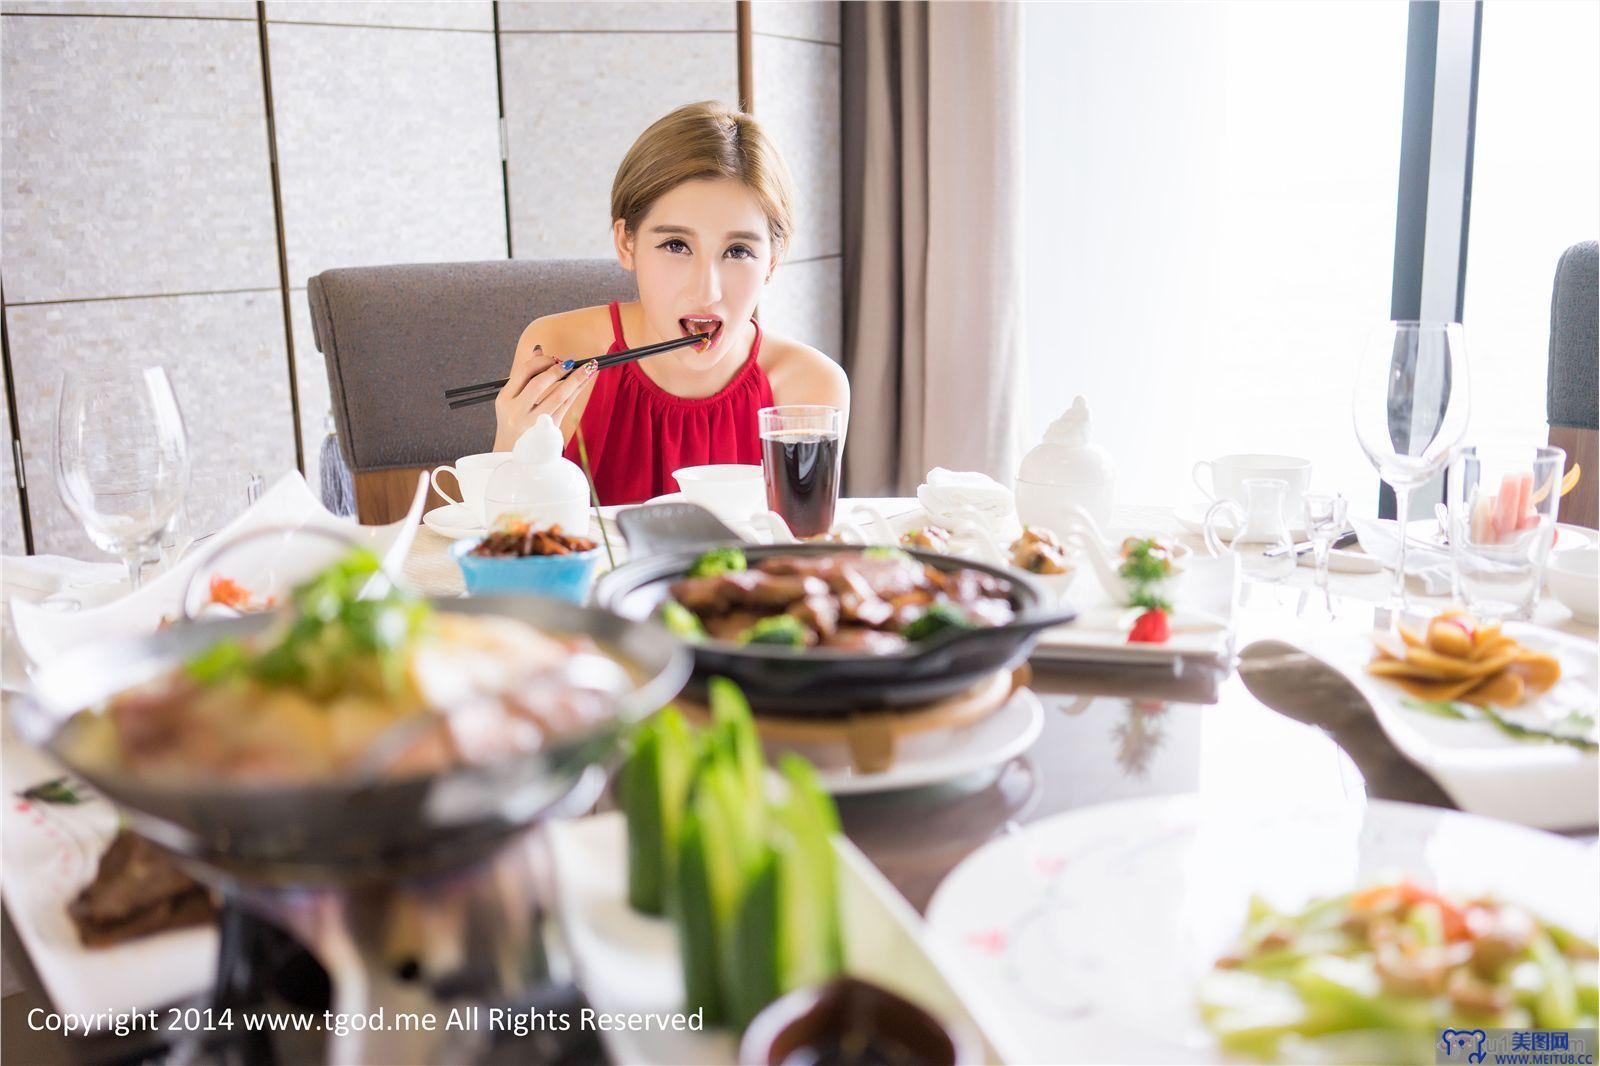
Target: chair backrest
column 395, row 337
column 1571, row 400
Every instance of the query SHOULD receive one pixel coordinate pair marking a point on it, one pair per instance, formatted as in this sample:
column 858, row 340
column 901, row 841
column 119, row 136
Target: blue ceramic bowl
column 562, row 577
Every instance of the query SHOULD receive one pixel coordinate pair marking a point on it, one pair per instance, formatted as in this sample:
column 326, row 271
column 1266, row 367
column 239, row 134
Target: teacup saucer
column 453, row 520
column 1192, row 517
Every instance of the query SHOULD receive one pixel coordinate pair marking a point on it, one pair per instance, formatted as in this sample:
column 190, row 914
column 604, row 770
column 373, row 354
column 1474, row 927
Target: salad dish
column 1375, row 975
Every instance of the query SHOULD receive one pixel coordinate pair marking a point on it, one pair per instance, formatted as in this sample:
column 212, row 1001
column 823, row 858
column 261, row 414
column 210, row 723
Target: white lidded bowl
column 1574, row 579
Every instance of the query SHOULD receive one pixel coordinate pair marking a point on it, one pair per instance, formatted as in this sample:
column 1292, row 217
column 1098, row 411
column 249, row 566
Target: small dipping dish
column 849, row 1022
column 563, row 577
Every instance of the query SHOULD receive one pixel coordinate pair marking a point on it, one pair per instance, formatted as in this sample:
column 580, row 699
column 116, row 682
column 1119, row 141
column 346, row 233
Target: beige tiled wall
column 614, row 68
column 138, row 225
column 378, row 165
column 135, row 158
column 11, row 540
column 795, row 56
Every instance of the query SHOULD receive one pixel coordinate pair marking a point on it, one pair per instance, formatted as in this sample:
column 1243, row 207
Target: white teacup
column 1228, row 473
column 472, row 478
column 731, row 492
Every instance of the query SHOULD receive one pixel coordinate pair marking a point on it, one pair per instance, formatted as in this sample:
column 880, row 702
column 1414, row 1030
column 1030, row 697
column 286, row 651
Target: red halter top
column 638, row 433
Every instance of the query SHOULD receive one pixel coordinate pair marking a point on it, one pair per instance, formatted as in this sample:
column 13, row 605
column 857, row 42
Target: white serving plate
column 1082, row 937
column 1202, row 626
column 935, row 757
column 629, row 962
column 1484, row 770
column 52, row 851
column 268, row 567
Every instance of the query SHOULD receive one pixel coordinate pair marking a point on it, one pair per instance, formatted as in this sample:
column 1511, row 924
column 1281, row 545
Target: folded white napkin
column 953, row 497
column 1380, row 538
column 34, row 577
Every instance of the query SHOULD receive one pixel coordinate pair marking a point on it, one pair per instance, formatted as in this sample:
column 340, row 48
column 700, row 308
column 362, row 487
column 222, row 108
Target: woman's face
column 701, row 257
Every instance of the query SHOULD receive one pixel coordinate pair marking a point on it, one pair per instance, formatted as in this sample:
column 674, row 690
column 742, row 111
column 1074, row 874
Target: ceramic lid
column 537, row 474
column 1067, row 456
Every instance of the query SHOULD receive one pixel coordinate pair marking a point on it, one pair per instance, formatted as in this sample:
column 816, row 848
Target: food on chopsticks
column 876, row 601
column 322, row 691
column 1375, row 975
column 517, row 538
column 743, row 865
column 1039, row 552
column 1457, row 657
column 226, row 592
column 138, row 890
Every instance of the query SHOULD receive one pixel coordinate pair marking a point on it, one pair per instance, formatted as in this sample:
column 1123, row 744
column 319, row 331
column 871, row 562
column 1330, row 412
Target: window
column 1536, row 169
column 1212, row 195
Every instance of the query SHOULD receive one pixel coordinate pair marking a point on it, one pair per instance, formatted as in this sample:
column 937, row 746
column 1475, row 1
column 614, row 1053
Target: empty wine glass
column 122, row 458
column 1325, row 522
column 1410, row 409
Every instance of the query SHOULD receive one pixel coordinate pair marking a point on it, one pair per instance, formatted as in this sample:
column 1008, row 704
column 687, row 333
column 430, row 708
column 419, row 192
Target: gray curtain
column 932, row 144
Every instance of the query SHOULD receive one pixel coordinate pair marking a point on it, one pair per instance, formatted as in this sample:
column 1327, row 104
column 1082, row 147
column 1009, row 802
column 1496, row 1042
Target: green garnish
column 719, row 561
column 1145, row 562
column 1576, row 729
column 936, row 620
column 888, row 553
column 335, row 641
column 1143, row 597
column 783, row 630
column 62, row 791
column 681, row 622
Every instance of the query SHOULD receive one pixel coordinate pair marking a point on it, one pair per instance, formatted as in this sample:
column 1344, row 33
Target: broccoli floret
column 718, row 561
column 888, row 553
column 681, row 622
column 938, row 619
column 783, row 630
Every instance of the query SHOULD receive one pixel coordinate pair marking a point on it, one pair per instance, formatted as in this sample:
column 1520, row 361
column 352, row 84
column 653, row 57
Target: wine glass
column 1410, row 409
column 122, row 458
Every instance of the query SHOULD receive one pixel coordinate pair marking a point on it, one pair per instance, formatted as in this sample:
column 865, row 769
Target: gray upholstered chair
column 395, row 337
column 1571, row 399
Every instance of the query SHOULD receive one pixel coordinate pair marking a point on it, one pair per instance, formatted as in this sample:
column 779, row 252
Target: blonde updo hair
column 698, row 141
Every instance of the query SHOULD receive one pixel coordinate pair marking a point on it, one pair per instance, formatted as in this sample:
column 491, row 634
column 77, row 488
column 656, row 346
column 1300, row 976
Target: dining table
column 1271, row 725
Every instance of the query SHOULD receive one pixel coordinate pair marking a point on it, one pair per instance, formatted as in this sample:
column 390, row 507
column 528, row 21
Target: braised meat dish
column 877, row 601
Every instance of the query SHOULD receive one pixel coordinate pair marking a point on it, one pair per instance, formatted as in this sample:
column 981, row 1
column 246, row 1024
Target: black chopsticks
column 486, row 391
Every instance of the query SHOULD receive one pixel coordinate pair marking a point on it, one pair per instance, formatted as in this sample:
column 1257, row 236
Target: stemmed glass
column 122, row 458
column 1325, row 522
column 1410, row 409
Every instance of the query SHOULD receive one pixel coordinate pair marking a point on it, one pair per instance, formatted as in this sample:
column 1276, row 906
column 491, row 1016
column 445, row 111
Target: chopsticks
column 484, row 392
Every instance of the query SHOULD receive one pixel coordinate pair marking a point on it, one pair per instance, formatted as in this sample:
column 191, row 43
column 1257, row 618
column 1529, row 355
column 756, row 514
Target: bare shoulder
column 800, row 373
column 584, row 331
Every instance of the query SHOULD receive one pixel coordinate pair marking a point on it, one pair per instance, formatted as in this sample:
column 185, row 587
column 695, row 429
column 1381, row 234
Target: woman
column 702, row 212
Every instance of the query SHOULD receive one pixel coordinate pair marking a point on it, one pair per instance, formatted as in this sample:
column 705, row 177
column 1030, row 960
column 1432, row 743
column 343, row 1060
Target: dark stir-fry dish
column 876, row 601
column 518, row 539
column 347, row 681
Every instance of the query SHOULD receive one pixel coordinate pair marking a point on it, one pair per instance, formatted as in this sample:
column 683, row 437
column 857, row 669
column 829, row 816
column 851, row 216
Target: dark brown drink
column 802, row 471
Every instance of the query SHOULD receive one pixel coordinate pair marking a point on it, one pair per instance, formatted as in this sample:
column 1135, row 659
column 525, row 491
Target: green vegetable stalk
column 654, row 785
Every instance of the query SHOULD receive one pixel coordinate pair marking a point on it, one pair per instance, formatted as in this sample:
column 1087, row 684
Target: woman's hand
column 537, row 385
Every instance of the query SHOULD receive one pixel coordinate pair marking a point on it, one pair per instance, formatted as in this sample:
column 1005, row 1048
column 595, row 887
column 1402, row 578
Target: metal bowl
column 348, row 829
column 665, row 541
